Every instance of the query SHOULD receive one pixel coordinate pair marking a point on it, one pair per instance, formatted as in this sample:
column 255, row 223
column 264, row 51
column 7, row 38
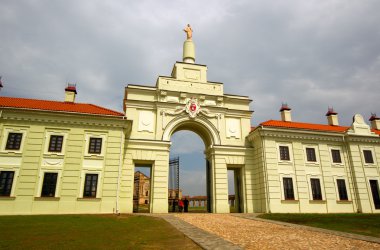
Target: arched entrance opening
column 189, row 148
column 190, row 139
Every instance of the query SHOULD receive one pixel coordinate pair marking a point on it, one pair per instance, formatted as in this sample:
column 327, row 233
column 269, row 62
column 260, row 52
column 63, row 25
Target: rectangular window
column 55, row 144
column 368, row 156
column 335, row 153
column 375, row 193
column 316, row 188
column 49, row 185
column 341, row 183
column 310, row 154
column 284, row 153
column 95, row 146
column 14, row 141
column 90, row 185
column 288, row 188
column 6, row 180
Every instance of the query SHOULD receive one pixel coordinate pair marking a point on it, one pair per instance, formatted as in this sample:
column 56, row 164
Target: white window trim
column 316, row 150
column 342, row 177
column 362, row 148
column 89, row 135
column 316, row 176
column 288, row 175
column 98, row 187
column 48, row 134
column 6, row 132
column 369, row 190
column 15, row 179
column 41, row 181
column 336, row 164
column 285, row 144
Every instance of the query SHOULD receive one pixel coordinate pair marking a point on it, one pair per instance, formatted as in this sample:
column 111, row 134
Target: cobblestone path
column 252, row 234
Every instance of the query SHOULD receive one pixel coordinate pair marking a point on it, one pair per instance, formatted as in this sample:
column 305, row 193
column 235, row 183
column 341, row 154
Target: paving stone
column 258, row 234
column 204, row 239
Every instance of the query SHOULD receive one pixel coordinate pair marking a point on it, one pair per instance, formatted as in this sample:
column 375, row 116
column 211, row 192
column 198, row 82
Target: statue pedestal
column 188, row 52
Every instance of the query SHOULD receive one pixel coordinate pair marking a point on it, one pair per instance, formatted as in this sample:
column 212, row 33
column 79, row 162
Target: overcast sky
column 310, row 54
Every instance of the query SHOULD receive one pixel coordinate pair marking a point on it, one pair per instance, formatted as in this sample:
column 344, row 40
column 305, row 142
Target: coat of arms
column 192, row 107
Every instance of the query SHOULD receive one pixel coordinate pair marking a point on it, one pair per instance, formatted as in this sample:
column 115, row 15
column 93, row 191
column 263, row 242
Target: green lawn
column 365, row 224
column 90, row 232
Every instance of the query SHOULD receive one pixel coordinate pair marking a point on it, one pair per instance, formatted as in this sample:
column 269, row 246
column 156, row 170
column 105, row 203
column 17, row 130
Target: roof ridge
column 103, row 108
column 53, row 105
column 308, row 123
column 304, row 125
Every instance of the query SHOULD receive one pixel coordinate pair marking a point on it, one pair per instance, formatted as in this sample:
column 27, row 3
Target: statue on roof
column 189, row 32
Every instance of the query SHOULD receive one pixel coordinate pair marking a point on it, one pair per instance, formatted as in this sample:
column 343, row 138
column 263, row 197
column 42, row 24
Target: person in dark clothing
column 186, row 205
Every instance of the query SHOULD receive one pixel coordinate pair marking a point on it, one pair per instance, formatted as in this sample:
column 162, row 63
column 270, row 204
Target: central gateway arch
column 187, row 101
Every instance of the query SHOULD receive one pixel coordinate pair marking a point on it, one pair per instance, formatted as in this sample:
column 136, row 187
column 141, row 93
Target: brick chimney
column 375, row 121
column 332, row 117
column 70, row 92
column 285, row 113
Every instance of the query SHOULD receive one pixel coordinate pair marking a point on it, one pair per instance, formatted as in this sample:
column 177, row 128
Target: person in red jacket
column 180, row 206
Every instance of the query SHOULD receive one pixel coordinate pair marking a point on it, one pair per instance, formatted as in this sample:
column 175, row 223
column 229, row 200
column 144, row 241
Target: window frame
column 371, row 149
column 286, row 155
column 99, row 186
column 12, row 183
column 370, row 193
column 55, row 184
column 289, row 146
column 295, row 188
column 336, row 156
column 11, row 147
column 55, row 144
column 372, row 160
column 90, row 175
column 95, row 139
column 337, row 180
column 341, row 153
column 319, row 193
column 311, row 197
column 348, row 190
column 55, row 132
column 89, row 135
column 16, row 170
column 41, row 177
column 292, row 188
column 311, row 156
column 6, row 132
column 316, row 153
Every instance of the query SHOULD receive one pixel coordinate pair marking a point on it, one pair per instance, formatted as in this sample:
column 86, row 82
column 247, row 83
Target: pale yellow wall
column 353, row 169
column 71, row 165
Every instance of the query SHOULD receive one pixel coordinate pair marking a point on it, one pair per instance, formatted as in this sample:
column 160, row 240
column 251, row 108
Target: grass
column 90, row 232
column 365, row 224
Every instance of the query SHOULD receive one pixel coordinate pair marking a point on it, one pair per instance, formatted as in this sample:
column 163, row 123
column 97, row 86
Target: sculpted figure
column 189, row 32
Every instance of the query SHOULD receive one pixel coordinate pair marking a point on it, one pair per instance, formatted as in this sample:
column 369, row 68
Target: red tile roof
column 84, row 108
column 306, row 126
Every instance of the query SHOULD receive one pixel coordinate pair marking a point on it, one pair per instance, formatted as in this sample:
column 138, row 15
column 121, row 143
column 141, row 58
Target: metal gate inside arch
column 174, row 192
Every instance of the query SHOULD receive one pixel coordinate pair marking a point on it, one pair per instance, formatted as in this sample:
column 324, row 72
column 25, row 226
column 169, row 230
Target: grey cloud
column 310, row 54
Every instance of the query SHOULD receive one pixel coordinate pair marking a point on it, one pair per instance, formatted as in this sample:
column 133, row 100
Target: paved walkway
column 225, row 231
column 203, row 238
column 316, row 229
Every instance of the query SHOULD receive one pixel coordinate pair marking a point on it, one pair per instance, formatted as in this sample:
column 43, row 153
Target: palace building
column 64, row 157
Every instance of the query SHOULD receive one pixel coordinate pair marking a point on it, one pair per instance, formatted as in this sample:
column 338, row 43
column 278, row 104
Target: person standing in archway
column 180, row 205
column 186, row 205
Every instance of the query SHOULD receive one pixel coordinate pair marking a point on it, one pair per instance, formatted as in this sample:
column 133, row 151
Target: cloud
column 310, row 54
column 186, row 142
